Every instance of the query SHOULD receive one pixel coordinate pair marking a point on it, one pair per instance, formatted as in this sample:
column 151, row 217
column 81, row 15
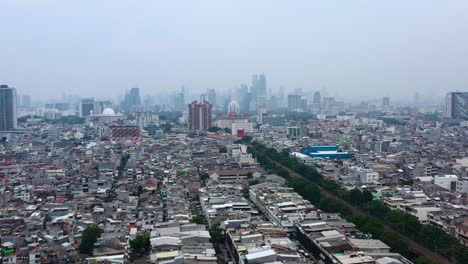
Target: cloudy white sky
column 357, row 49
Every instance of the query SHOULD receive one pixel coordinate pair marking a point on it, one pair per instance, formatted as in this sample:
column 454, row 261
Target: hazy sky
column 354, row 48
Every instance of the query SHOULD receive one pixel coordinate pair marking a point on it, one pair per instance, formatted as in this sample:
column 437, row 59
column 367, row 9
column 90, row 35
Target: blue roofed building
column 326, row 152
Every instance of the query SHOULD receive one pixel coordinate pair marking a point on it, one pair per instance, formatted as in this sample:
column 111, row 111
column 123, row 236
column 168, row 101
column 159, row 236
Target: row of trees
column 378, row 213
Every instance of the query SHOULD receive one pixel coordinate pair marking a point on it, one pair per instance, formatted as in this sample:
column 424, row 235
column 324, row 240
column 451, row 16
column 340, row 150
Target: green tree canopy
column 88, row 238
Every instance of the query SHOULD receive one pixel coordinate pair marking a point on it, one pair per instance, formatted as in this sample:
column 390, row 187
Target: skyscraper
column 134, row 97
column 457, row 105
column 294, row 102
column 212, row 97
column 86, row 106
column 7, row 108
column 386, row 101
column 261, row 112
column 132, row 100
column 200, row 116
column 26, row 100
column 317, row 98
column 259, row 88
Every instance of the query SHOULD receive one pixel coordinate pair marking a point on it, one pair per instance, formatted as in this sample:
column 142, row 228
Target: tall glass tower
column 7, row 108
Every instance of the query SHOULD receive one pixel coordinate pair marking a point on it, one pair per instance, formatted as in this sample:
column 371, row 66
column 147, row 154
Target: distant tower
column 86, row 107
column 317, row 98
column 212, row 97
column 261, row 112
column 7, row 108
column 386, row 101
column 26, row 100
column 294, row 102
column 134, row 97
column 259, row 88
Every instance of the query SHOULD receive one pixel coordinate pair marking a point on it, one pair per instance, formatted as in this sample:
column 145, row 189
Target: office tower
column 261, row 112
column 317, row 103
column 243, row 97
column 179, row 102
column 386, row 101
column 26, row 100
column 87, row 107
column 332, row 107
column 7, row 108
column 212, row 97
column 134, row 97
column 294, row 102
column 199, row 115
column 317, row 98
column 259, row 88
column 132, row 100
column 457, row 105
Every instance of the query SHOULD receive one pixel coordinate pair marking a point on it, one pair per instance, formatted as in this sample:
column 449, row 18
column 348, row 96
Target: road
column 414, row 246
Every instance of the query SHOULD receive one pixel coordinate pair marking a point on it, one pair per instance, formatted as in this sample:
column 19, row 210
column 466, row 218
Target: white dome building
column 108, row 116
column 108, row 111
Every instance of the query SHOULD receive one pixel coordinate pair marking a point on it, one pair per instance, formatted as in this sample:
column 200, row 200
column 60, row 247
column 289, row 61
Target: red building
column 199, row 116
column 116, row 132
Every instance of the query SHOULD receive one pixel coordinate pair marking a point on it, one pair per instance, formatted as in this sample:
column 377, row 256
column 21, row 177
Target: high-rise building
column 317, row 98
column 457, row 105
column 132, row 100
column 317, row 103
column 297, row 103
column 259, row 88
column 200, row 115
column 134, row 97
column 87, row 107
column 386, row 101
column 243, row 97
column 261, row 112
column 26, row 100
column 212, row 97
column 7, row 108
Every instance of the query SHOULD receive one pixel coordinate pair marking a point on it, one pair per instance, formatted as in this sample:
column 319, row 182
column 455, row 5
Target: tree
column 373, row 227
column 203, row 176
column 217, row 237
column 141, row 244
column 379, row 209
column 249, row 175
column 223, row 150
column 367, row 196
column 198, row 220
column 253, row 182
column 355, row 196
column 424, row 260
column 395, row 241
column 88, row 238
column 214, row 129
column 246, row 139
